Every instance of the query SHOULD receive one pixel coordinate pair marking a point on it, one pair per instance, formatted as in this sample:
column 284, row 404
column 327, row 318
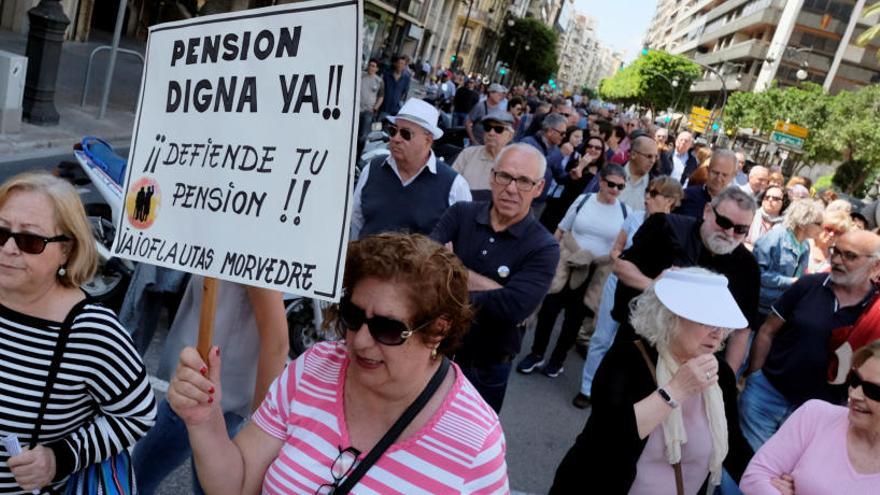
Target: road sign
column 699, row 119
column 791, row 129
column 791, row 141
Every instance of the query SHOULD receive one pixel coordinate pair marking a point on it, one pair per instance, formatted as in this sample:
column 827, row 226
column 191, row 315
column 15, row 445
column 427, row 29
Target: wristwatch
column 667, row 398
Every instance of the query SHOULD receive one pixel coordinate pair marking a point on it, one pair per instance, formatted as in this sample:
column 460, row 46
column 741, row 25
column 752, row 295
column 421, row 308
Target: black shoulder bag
column 395, row 431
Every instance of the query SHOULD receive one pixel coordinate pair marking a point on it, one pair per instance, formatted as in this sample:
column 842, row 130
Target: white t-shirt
column 595, row 226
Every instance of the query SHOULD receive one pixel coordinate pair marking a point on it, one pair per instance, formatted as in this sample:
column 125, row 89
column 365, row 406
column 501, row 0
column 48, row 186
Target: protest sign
column 241, row 160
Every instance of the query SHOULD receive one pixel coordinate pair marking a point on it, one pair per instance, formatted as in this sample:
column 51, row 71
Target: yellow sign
column 705, row 112
column 699, row 119
column 791, row 129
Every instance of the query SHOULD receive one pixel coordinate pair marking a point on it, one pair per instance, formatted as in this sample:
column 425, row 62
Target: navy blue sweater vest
column 387, row 206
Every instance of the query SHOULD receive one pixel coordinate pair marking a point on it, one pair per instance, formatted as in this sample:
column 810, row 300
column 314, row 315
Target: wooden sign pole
column 206, row 318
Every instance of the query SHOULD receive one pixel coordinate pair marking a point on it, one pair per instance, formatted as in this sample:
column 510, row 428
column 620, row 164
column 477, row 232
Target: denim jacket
column 781, row 260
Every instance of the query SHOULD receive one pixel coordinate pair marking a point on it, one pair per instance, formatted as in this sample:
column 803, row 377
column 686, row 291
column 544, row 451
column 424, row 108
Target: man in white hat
column 495, row 101
column 713, row 242
column 409, row 190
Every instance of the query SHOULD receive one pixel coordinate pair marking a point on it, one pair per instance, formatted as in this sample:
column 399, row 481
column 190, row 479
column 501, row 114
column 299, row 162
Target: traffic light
column 452, row 59
column 644, row 51
column 715, row 126
column 502, row 70
column 552, row 83
column 668, row 119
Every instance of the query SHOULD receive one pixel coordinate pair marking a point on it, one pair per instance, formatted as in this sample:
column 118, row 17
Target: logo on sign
column 142, row 203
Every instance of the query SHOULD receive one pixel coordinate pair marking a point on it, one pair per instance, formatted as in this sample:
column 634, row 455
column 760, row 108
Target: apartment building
column 476, row 35
column 751, row 43
column 578, row 52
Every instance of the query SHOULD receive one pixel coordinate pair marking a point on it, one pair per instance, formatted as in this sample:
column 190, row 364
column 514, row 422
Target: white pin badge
column 503, row 271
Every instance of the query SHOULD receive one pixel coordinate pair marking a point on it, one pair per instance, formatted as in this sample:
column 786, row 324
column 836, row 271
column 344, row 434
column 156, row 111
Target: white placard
column 241, row 160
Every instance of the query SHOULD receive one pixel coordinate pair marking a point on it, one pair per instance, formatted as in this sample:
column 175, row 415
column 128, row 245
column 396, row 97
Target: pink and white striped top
column 460, row 450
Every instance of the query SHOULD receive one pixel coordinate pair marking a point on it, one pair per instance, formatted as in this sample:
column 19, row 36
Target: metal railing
column 85, row 92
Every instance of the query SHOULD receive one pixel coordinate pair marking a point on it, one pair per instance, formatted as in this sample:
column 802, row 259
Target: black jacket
column 607, row 451
column 666, row 165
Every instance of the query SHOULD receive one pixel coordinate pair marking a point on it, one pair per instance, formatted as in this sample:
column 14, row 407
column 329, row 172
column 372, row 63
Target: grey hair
column 652, row 320
column 802, row 213
column 528, row 150
column 612, row 169
column 758, row 168
column 552, row 120
column 720, row 153
column 742, row 199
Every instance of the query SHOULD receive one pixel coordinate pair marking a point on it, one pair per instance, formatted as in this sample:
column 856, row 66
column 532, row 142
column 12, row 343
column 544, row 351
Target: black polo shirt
column 670, row 240
column 797, row 365
column 521, row 258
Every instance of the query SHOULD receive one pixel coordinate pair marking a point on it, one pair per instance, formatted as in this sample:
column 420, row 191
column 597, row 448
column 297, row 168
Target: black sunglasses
column 726, row 223
column 340, row 469
column 406, row 134
column 498, row 128
column 29, row 243
column 653, row 193
column 386, row 331
column 619, row 185
column 870, row 389
column 593, row 147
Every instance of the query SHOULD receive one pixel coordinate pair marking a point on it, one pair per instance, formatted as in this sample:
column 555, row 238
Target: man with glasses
column 548, row 142
column 495, row 101
column 789, row 359
column 410, row 189
column 679, row 162
column 511, row 260
column 713, row 242
column 475, row 163
column 643, row 154
column 722, row 168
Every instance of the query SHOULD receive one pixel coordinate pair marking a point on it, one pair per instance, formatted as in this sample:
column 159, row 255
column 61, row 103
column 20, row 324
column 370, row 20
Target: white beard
column 719, row 243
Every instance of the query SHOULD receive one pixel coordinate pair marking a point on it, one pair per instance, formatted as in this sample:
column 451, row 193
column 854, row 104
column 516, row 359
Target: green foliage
column 874, row 30
column 823, row 182
column 539, row 63
column 648, row 81
column 854, row 131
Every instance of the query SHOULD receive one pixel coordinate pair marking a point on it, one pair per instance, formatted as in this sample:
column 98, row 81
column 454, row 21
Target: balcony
column 769, row 16
column 713, row 84
column 752, row 49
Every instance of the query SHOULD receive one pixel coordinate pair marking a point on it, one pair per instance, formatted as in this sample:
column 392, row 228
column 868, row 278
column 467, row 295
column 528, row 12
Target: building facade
column 752, row 43
column 476, row 35
column 583, row 59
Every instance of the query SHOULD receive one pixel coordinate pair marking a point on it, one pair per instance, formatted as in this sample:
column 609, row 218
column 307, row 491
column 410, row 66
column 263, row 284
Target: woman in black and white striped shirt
column 101, row 401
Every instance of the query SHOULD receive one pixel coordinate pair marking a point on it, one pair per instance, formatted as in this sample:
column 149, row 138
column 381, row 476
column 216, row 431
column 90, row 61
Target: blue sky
column 622, row 23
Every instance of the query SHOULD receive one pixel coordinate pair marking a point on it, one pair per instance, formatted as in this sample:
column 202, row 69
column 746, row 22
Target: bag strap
column 581, row 204
column 60, row 344
column 679, row 478
column 395, row 430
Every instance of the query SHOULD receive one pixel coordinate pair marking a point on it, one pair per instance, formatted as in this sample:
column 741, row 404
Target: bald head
column 865, row 242
column 683, row 142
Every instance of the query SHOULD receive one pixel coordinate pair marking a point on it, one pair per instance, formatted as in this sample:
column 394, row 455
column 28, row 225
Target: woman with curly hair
column 344, row 413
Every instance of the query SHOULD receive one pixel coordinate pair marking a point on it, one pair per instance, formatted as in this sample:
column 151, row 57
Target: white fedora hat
column 420, row 113
column 701, row 296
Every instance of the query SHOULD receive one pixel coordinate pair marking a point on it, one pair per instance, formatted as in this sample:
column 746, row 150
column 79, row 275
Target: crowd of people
column 729, row 321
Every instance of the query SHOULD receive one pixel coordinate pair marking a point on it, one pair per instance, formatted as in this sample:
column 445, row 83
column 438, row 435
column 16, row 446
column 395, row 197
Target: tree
column 854, row 130
column 648, row 81
column 539, row 62
column 874, row 30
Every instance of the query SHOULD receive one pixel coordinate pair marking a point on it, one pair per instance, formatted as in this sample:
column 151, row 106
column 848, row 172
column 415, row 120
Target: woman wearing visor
column 664, row 417
column 382, row 411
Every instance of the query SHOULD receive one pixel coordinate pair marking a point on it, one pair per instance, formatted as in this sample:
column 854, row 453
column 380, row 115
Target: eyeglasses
column 29, row 243
column 870, row 389
column 561, row 133
column 773, row 198
column 504, row 179
column 832, row 231
column 594, row 147
column 384, row 330
column 646, row 155
column 498, row 128
column 844, row 254
column 654, row 193
column 406, row 134
column 619, row 185
column 341, row 467
column 725, row 223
